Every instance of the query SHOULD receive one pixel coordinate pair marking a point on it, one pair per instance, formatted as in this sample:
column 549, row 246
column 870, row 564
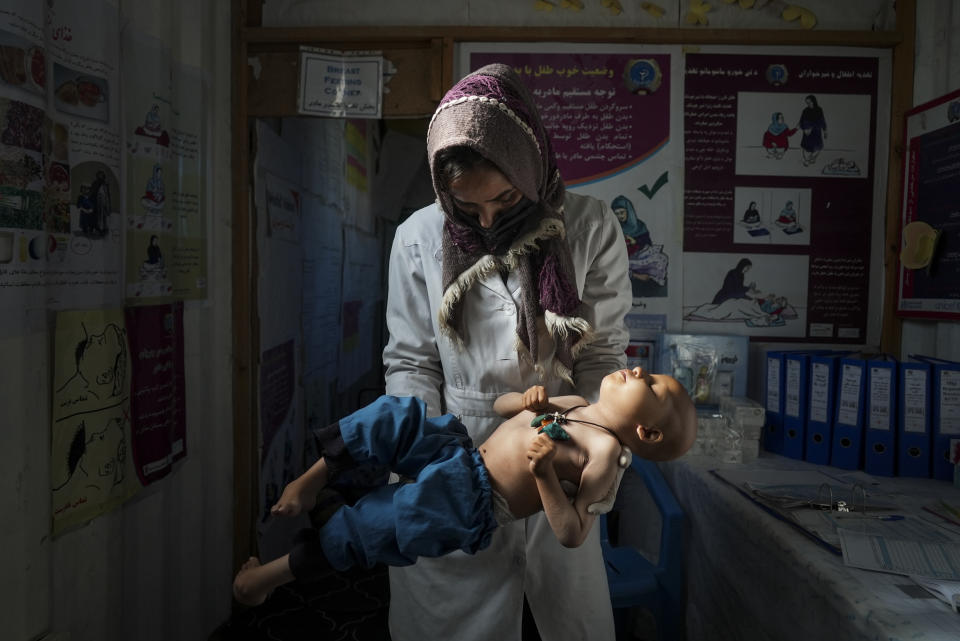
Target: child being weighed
column 567, row 462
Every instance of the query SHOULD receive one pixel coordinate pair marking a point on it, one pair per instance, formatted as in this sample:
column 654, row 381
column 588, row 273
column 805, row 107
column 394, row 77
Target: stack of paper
column 946, row 591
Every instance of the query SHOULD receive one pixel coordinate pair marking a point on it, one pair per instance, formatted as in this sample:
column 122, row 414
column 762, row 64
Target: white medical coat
column 480, row 597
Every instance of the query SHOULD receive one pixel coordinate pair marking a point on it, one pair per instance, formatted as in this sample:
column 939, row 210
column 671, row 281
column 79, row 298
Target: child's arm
column 571, row 522
column 534, row 399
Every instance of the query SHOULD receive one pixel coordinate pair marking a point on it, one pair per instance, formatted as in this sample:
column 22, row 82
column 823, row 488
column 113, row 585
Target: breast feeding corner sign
column 340, row 84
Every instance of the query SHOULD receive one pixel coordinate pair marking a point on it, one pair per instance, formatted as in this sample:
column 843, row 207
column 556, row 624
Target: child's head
column 652, row 414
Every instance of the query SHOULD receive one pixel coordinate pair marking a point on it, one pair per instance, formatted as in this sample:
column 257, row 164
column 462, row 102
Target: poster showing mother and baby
column 757, row 294
column 784, row 170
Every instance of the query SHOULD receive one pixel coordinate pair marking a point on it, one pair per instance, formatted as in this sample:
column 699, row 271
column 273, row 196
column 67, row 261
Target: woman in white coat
column 505, row 282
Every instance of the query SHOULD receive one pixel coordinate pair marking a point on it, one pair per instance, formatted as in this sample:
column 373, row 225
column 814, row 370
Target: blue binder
column 914, row 409
column 945, row 394
column 773, row 402
column 846, row 450
column 822, row 396
column 796, row 381
column 880, row 413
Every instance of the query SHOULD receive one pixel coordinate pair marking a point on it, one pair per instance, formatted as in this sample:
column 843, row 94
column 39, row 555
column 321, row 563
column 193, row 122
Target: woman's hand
column 541, row 453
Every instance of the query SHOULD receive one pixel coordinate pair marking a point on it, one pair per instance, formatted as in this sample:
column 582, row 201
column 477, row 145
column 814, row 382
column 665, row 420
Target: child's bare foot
column 296, row 498
column 247, row 588
column 301, row 493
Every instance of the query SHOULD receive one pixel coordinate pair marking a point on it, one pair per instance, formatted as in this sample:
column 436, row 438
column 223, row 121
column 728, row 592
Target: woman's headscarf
column 776, row 128
column 493, row 113
column 632, row 226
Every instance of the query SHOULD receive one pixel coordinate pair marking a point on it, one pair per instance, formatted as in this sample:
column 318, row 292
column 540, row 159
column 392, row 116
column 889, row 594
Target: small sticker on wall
column 821, row 330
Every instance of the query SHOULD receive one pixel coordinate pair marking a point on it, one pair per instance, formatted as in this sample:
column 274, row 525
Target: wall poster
column 783, row 158
column 785, row 167
column 60, row 240
column 929, row 271
column 90, row 471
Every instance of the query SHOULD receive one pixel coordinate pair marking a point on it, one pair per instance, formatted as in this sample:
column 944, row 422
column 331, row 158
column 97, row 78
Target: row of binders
column 863, row 411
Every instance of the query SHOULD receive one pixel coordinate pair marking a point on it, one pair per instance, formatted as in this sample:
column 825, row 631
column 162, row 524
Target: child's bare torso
column 505, row 457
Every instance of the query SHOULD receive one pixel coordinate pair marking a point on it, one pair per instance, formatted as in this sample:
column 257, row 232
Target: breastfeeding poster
column 91, row 469
column 784, row 181
column 608, row 112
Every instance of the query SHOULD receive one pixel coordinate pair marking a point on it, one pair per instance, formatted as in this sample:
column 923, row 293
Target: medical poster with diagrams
column 929, row 270
column 165, row 224
column 59, row 156
column 607, row 109
column 785, row 173
column 91, row 470
column 63, row 223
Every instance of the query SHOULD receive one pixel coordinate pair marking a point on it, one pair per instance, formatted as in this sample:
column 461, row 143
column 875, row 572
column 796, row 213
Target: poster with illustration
column 784, row 185
column 165, row 222
column 91, row 471
column 796, row 138
column 754, row 294
column 60, row 200
column 607, row 111
column 771, row 215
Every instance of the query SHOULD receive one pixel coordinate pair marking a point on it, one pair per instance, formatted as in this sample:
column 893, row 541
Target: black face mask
column 506, row 226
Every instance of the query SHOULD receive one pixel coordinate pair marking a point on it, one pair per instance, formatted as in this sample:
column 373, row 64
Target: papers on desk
column 827, row 525
column 790, row 496
column 946, row 591
column 870, row 535
column 914, row 557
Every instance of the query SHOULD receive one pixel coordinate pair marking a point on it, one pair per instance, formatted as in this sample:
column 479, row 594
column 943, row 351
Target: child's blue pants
column 446, row 507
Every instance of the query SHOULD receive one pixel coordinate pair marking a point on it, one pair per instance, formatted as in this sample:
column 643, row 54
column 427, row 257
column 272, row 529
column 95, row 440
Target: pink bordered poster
column 929, row 258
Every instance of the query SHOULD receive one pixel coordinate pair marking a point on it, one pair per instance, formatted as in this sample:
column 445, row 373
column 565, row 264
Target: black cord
column 561, row 418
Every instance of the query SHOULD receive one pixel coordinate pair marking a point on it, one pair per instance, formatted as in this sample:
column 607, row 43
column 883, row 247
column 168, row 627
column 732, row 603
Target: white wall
column 160, row 567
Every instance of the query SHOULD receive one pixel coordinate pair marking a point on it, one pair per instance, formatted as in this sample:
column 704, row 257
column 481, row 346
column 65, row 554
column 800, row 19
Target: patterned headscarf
column 492, row 112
